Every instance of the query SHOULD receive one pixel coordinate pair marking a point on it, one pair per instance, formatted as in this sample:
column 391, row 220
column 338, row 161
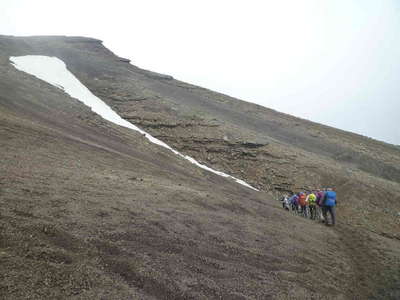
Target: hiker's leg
column 333, row 214
column 324, row 214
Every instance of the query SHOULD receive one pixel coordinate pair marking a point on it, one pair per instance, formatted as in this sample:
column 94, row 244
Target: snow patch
column 55, row 72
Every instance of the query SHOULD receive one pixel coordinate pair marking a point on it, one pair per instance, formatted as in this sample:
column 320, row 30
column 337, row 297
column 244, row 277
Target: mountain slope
column 90, row 209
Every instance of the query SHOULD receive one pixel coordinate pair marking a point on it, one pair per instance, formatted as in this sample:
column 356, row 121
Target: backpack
column 302, row 200
column 312, row 199
column 330, row 198
column 320, row 198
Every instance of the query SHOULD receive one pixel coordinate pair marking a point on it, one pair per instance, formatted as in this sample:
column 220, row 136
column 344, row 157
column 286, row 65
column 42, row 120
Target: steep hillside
column 89, row 209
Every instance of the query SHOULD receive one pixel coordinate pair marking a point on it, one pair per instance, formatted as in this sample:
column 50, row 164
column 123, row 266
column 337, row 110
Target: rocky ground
column 90, row 210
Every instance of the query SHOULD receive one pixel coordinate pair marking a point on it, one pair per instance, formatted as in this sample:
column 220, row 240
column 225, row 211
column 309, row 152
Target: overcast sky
column 335, row 62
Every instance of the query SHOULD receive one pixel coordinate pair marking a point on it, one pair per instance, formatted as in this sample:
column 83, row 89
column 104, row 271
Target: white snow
column 55, row 72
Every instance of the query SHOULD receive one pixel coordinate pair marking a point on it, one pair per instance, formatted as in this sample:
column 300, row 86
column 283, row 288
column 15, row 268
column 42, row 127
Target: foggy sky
column 335, row 62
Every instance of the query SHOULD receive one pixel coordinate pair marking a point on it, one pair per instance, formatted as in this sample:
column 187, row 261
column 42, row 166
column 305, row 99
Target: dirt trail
column 372, row 272
column 357, row 247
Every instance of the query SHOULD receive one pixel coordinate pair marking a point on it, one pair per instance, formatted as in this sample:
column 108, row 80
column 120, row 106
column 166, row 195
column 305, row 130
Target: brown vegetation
column 90, row 210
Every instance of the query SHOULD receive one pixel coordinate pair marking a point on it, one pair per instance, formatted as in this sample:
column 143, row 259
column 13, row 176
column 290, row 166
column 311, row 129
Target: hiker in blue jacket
column 293, row 202
column 328, row 205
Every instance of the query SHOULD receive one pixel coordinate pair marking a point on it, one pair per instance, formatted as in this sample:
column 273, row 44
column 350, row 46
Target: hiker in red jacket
column 303, row 204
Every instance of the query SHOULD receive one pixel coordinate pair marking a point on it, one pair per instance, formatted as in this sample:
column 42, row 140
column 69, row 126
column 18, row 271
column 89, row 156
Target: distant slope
column 92, row 210
column 53, row 71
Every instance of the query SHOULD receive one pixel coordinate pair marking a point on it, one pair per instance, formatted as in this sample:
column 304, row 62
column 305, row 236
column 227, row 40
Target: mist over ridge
column 331, row 62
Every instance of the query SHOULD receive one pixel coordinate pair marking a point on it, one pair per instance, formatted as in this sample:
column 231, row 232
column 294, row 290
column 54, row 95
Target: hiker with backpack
column 320, row 198
column 285, row 202
column 329, row 204
column 303, row 204
column 311, row 201
column 294, row 202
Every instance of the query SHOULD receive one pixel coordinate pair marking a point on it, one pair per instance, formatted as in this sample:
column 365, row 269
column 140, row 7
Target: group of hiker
column 313, row 204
